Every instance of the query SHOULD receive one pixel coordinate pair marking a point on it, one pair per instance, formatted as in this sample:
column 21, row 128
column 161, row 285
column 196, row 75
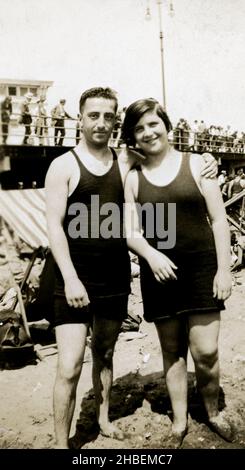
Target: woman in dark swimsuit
column 185, row 279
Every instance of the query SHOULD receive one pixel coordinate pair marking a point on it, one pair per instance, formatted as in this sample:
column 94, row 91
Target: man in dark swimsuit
column 93, row 267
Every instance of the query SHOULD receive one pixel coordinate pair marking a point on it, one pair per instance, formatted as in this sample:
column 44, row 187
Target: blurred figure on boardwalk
column 58, row 120
column 26, row 117
column 6, row 111
column 41, row 128
column 78, row 129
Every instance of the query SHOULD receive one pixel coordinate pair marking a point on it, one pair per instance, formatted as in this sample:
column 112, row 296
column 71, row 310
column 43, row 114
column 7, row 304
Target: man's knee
column 102, row 351
column 172, row 347
column 69, row 371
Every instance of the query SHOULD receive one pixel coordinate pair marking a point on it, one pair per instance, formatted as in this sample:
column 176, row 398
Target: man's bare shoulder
column 197, row 159
column 197, row 164
column 61, row 167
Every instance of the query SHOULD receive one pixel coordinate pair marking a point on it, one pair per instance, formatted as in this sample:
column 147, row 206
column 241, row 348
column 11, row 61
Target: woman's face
column 150, row 134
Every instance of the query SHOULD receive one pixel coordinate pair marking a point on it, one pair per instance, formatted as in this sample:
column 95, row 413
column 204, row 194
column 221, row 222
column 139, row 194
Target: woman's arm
column 162, row 267
column 222, row 284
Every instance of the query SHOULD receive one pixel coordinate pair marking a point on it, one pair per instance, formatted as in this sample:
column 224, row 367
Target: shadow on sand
column 127, row 395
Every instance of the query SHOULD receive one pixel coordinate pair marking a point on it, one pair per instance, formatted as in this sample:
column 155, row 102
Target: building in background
column 17, row 89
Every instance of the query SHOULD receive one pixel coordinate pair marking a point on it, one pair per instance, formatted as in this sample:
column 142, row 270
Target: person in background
column 183, row 284
column 26, row 117
column 78, row 129
column 237, row 184
column 41, row 121
column 6, row 111
column 59, row 115
column 222, row 178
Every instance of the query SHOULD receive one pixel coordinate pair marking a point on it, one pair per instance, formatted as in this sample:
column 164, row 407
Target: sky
column 83, row 43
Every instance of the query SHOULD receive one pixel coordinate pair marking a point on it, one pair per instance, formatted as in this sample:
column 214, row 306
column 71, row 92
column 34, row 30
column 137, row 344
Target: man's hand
column 76, row 294
column 211, row 166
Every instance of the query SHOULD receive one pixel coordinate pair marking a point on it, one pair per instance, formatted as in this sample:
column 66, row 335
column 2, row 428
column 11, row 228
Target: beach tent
column 24, row 212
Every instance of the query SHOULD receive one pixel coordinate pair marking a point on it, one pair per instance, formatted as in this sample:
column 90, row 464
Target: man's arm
column 69, row 117
column 57, row 188
column 131, row 157
column 210, row 169
column 127, row 158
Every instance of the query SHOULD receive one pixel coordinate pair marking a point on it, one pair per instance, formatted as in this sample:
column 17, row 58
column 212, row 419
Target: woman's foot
column 221, row 426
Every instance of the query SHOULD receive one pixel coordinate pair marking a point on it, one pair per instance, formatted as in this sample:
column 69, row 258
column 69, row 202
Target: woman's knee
column 206, row 357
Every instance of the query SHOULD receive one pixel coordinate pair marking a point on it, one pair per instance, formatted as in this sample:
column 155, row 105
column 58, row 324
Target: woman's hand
column 222, row 285
column 161, row 266
column 76, row 294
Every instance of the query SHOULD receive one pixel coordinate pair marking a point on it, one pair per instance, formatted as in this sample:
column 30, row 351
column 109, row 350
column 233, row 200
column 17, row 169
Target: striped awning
column 24, row 212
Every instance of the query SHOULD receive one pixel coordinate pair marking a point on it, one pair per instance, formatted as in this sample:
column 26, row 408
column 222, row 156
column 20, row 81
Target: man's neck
column 100, row 153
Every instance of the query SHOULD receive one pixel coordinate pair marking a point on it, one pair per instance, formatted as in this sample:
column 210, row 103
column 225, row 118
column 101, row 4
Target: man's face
column 98, row 119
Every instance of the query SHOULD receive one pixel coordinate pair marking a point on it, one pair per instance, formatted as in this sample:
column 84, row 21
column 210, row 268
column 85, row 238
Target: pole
column 159, row 3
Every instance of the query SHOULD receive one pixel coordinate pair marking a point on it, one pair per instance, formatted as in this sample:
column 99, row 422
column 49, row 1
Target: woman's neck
column 153, row 161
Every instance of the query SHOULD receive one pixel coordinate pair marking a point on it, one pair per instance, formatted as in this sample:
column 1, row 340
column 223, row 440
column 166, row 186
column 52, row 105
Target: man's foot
column 112, row 431
column 176, row 438
column 61, row 446
column 221, row 426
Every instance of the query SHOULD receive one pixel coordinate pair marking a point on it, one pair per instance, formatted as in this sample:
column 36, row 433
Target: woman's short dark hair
column 133, row 114
column 98, row 92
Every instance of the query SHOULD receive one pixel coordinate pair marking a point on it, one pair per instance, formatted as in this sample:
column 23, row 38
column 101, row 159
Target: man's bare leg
column 71, row 341
column 105, row 334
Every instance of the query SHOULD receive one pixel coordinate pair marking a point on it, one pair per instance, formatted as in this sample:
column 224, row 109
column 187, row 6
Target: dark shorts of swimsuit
column 111, row 308
column 191, row 293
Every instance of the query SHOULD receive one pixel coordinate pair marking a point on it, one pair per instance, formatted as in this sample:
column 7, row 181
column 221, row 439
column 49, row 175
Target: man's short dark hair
column 133, row 114
column 98, row 92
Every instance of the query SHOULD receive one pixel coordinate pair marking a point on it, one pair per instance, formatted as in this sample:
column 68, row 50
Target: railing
column 43, row 133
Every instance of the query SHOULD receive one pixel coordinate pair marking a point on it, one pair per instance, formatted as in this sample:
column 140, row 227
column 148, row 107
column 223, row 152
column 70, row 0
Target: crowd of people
column 232, row 184
column 33, row 115
column 38, row 122
column 199, row 137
